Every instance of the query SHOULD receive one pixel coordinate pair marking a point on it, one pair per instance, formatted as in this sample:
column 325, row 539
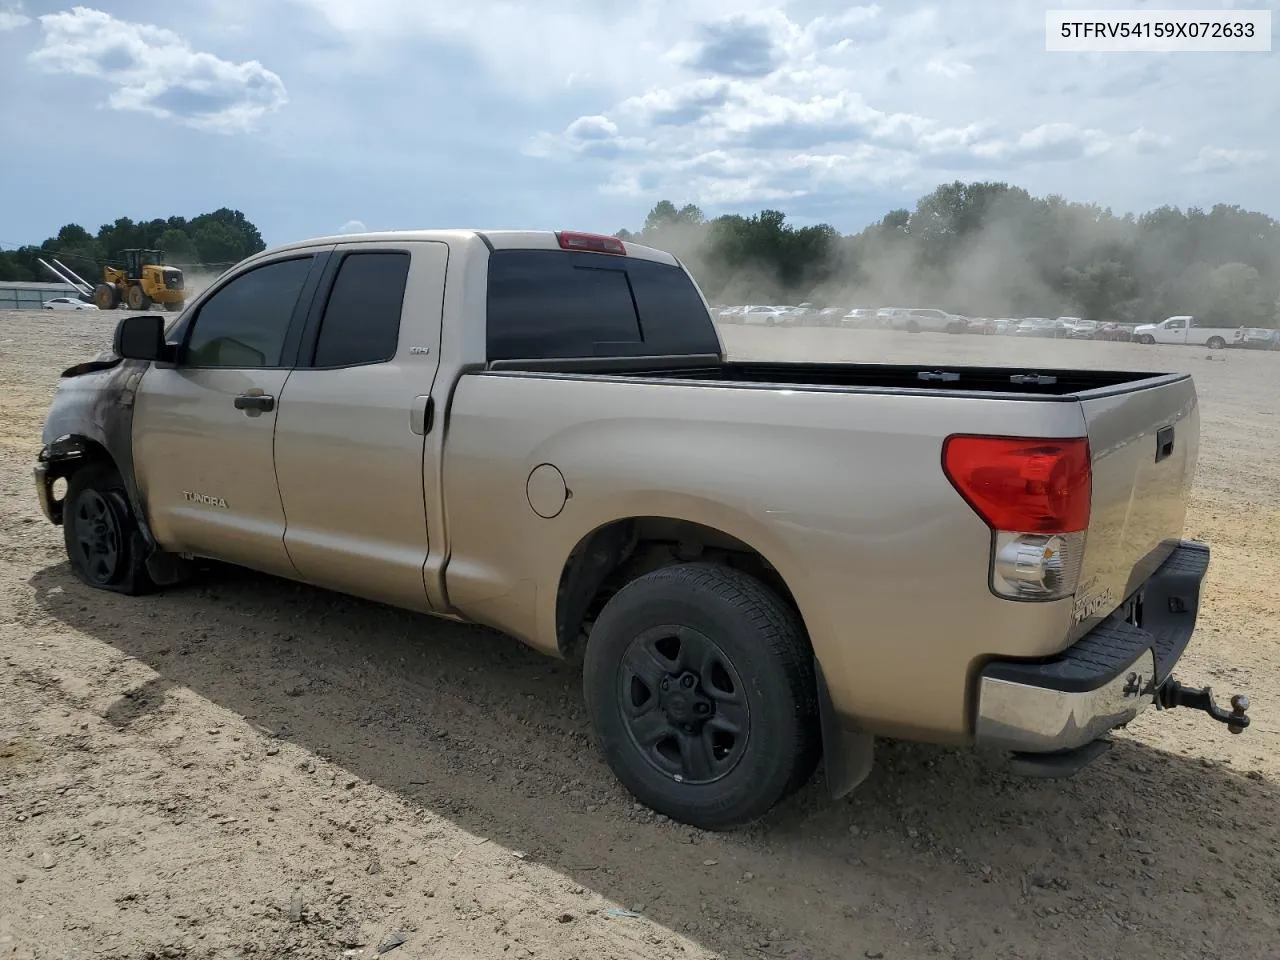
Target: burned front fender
column 91, row 417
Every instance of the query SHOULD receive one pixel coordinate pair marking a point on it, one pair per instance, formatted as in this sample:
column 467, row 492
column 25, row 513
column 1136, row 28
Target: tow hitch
column 1173, row 694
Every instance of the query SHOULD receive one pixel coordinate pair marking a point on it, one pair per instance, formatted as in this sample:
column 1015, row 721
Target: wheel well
column 64, row 457
column 610, row 557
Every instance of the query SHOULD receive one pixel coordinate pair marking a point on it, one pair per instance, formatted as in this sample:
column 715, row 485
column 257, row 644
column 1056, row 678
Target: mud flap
column 848, row 753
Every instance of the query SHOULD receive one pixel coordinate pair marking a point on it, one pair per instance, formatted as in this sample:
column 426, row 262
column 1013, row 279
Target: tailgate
column 1144, row 440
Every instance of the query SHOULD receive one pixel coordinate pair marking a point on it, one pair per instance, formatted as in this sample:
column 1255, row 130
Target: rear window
column 553, row 304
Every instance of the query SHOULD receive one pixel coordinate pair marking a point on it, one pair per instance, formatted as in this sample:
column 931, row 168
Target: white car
column 918, row 320
column 860, row 317
column 1078, row 329
column 769, row 316
column 67, row 303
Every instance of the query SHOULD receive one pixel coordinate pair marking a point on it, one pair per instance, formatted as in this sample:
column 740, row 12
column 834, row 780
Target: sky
column 316, row 117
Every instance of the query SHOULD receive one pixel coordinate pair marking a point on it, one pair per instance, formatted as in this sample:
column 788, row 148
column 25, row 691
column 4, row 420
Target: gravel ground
column 251, row 768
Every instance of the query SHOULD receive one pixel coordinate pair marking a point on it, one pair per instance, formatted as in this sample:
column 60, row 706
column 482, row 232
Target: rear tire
column 913, row 327
column 103, row 541
column 701, row 689
column 1217, row 343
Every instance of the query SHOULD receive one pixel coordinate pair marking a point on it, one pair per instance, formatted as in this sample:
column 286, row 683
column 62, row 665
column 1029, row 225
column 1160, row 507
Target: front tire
column 700, row 685
column 106, row 296
column 913, row 327
column 137, row 298
column 1146, row 339
column 103, row 541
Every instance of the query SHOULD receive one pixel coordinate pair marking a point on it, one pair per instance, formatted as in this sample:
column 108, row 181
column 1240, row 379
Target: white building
column 24, row 295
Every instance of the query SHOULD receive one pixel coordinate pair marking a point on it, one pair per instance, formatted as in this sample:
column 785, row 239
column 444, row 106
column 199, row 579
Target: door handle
column 255, row 403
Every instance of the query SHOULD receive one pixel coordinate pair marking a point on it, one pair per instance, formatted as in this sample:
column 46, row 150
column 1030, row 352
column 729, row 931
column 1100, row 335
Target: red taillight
column 1023, row 485
column 590, row 241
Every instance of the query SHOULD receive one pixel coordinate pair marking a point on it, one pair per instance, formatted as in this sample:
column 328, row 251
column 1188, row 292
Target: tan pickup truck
column 762, row 565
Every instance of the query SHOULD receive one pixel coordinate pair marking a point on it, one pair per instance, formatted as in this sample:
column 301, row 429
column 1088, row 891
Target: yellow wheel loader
column 144, row 280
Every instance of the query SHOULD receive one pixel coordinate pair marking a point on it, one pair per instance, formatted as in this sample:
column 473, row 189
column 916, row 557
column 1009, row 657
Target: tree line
column 213, row 240
column 991, row 249
column 982, row 249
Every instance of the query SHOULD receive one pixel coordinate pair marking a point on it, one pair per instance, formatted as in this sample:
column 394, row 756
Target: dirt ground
column 251, row 768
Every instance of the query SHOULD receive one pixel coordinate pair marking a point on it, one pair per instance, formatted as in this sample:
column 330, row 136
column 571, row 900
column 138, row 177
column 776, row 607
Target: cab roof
column 498, row 239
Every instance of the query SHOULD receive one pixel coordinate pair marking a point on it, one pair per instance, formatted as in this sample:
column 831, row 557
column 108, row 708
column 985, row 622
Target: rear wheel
column 103, row 541
column 700, row 685
column 913, row 327
column 1217, row 343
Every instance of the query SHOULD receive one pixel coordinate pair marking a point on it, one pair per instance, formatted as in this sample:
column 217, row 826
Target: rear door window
column 553, row 304
column 361, row 322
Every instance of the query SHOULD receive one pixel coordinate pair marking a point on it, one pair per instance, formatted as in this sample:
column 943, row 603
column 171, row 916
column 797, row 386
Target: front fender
column 93, row 408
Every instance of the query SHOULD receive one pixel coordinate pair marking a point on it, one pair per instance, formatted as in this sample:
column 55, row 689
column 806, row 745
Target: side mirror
column 140, row 338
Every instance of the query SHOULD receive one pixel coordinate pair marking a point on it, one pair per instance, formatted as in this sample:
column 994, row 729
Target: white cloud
column 1148, row 141
column 1049, row 141
column 951, row 69
column 12, row 16
column 1221, row 160
column 534, row 50
column 793, row 131
column 353, row 226
column 156, row 71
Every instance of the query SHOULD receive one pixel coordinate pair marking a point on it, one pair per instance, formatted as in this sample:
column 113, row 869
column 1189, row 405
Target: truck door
column 1174, row 330
column 203, row 427
column 353, row 422
column 1200, row 334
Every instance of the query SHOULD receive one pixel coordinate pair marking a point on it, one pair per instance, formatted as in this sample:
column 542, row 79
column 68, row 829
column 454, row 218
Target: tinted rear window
column 551, row 304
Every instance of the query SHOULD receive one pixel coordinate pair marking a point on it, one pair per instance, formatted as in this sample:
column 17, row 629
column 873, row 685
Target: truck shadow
column 1136, row 853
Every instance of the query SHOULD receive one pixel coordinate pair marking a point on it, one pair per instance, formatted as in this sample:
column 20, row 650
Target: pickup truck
column 760, row 566
column 1186, row 330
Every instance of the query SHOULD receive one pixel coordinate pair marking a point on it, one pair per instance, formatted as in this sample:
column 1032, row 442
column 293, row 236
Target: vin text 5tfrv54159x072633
column 763, row 566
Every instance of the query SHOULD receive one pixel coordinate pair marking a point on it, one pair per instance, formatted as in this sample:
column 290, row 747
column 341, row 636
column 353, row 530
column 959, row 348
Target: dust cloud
column 197, row 282
column 990, row 250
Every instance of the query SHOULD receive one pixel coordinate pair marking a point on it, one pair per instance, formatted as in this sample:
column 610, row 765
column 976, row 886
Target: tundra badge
column 205, row 499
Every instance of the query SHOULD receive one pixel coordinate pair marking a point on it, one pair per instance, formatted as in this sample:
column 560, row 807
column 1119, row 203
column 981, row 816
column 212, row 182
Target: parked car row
column 1186, row 330
column 910, row 319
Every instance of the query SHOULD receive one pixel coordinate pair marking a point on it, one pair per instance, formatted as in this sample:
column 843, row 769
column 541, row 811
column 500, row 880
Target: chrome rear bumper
column 1104, row 680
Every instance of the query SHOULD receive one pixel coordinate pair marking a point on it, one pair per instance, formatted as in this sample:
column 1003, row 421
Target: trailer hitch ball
column 1239, row 707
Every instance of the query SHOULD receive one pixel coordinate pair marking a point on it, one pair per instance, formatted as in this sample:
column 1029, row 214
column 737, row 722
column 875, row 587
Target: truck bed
column 1008, row 382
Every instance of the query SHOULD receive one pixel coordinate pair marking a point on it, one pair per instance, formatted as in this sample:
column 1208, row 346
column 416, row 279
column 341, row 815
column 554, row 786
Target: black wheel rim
column 683, row 704
column 97, row 536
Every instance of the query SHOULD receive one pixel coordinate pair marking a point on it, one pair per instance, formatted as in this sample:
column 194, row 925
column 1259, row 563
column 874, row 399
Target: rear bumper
column 1104, row 680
